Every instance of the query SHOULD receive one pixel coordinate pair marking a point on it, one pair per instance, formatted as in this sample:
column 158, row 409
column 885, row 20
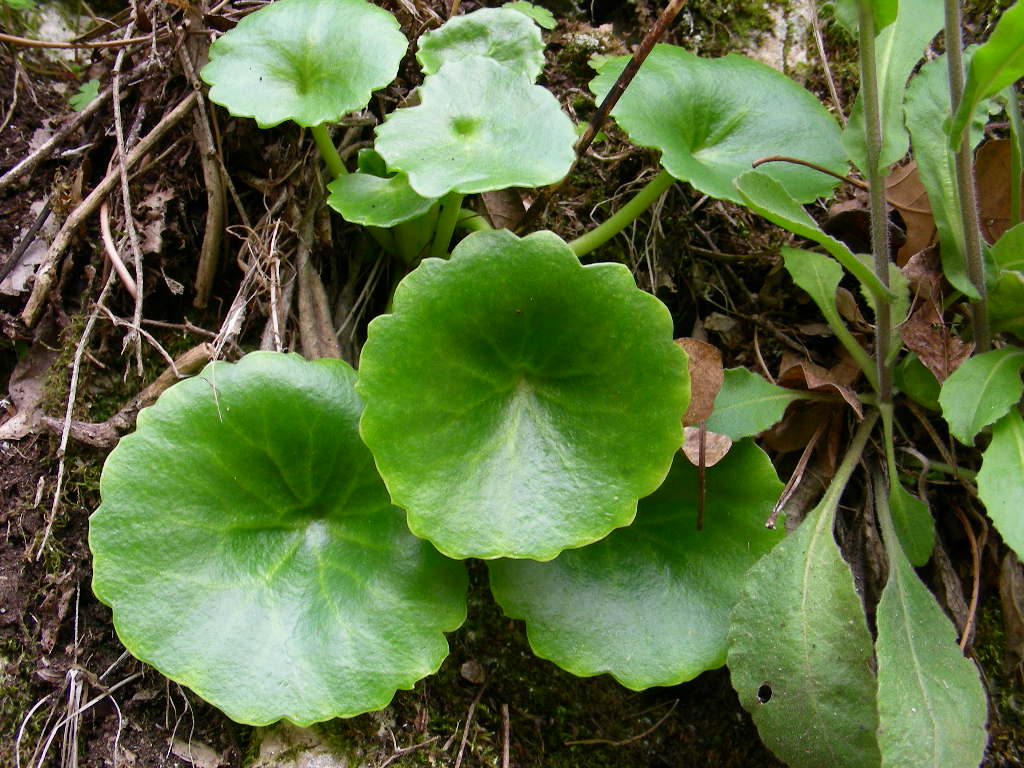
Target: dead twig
column 46, row 274
column 972, row 608
column 111, row 250
column 406, row 750
column 631, row 739
column 24, row 42
column 469, row 722
column 505, row 741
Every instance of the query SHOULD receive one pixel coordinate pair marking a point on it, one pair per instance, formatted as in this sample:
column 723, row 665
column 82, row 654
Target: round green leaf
column 311, row 61
column 480, row 126
column 519, row 403
column 249, row 550
column 650, row 603
column 505, row 35
column 711, row 118
column 375, row 202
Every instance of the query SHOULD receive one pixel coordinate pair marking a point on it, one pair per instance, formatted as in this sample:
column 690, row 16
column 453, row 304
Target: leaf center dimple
column 466, row 126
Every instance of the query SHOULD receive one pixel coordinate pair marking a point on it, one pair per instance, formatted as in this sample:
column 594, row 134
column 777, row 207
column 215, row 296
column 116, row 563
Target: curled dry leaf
column 993, row 173
column 907, row 195
column 715, row 446
column 706, row 377
column 803, row 374
column 926, row 333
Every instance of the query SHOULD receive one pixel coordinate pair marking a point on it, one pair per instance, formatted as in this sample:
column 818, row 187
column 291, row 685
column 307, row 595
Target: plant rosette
column 519, row 403
column 248, row 548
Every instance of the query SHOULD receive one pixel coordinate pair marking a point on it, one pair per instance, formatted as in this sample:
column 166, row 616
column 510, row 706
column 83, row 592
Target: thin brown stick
column 631, row 739
column 46, row 274
column 469, row 721
column 597, row 121
column 505, row 732
column 25, row 42
column 406, row 750
column 797, row 476
column 111, row 250
column 819, row 43
column 972, row 608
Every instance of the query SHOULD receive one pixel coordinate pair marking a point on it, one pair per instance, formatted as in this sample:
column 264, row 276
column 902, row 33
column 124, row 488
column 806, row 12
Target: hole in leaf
column 465, row 126
column 764, row 693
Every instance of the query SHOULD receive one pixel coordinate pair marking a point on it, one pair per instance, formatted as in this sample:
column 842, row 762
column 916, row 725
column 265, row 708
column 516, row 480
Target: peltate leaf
column 650, row 603
column 995, row 65
column 800, row 653
column 503, row 34
column 981, row 391
column 931, row 705
column 1001, row 480
column 711, row 118
column 927, row 110
column 311, row 61
column 373, row 201
column 748, row 405
column 519, row 403
column 1006, row 303
column 898, row 49
column 455, row 140
column 248, row 548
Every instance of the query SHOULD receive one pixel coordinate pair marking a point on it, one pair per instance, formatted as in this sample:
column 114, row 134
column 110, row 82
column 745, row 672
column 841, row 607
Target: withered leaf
column 803, row 374
column 906, row 194
column 992, row 170
column 716, row 446
column 925, row 333
column 706, row 377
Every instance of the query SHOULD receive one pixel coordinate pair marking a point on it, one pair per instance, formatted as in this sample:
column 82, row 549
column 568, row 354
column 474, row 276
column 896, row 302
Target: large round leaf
column 518, row 403
column 505, row 35
column 311, row 61
column 248, row 548
column 650, row 603
column 711, row 118
column 480, row 127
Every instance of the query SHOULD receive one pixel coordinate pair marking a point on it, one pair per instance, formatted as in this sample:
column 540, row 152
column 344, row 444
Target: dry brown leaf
column 706, row 377
column 926, row 334
column 1011, row 594
column 907, row 195
column 847, row 305
column 803, row 374
column 504, row 208
column 716, row 446
column 992, row 170
column 924, row 272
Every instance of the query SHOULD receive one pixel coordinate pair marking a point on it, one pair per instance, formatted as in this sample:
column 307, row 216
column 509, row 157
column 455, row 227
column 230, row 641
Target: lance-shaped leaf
column 1008, row 250
column 373, row 201
column 981, row 391
column 995, row 65
column 650, row 603
column 711, row 118
column 748, row 405
column 457, row 140
column 883, row 13
column 1000, row 483
column 800, row 653
column 311, row 61
column 519, row 403
column 931, row 705
column 1006, row 303
column 503, row 34
column 913, row 521
column 927, row 110
column 249, row 550
column 898, row 49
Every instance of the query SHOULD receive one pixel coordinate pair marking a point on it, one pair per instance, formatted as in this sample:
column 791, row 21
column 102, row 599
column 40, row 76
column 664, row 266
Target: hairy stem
column 965, row 182
column 876, row 196
column 625, row 216
column 328, row 151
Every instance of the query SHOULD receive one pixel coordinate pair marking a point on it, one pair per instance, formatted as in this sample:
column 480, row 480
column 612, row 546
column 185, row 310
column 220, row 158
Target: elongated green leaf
column 1006, row 303
column 931, row 704
column 913, row 521
column 765, row 196
column 981, row 391
column 883, row 12
column 249, row 550
column 517, row 136
column 995, row 65
column 927, row 112
column 1001, row 480
column 373, row 201
column 503, row 34
column 914, row 380
column 898, row 49
column 519, row 403
column 311, row 61
column 800, row 653
column 1008, row 250
column 650, row 603
column 711, row 118
column 748, row 405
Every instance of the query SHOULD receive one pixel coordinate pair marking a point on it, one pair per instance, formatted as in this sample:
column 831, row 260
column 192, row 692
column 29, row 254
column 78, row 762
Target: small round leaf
column 249, row 550
column 650, row 603
column 480, row 126
column 711, row 118
column 372, row 201
column 505, row 35
column 519, row 403
column 311, row 61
